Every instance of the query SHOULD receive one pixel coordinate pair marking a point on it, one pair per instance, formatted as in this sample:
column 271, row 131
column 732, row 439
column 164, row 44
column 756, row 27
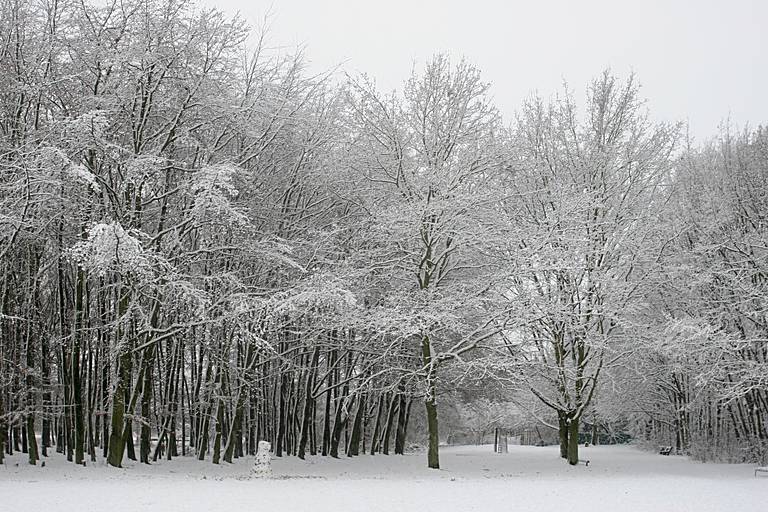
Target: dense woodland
column 202, row 245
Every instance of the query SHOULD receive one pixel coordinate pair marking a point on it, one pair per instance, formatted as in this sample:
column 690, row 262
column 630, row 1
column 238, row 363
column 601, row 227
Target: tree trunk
column 390, row 421
column 282, row 414
column 116, row 441
column 3, row 430
column 31, row 440
column 77, row 391
column 44, row 375
column 573, row 442
column 338, row 423
column 354, row 442
column 433, row 458
column 377, row 426
column 331, row 361
column 146, row 397
column 562, row 421
column 306, row 422
column 219, row 428
column 430, row 403
column 402, row 420
column 235, row 429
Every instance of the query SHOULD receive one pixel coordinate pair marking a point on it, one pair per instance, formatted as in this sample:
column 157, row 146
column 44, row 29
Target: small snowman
column 263, row 465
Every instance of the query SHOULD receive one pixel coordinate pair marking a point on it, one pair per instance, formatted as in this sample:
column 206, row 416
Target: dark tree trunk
column 307, row 420
column 338, row 423
column 562, row 421
column 328, row 398
column 3, row 430
column 430, row 402
column 45, row 376
column 401, row 422
column 573, row 442
column 31, row 440
column 235, row 429
column 77, row 391
column 377, row 425
column 390, row 421
column 354, row 442
column 146, row 397
column 116, row 441
column 282, row 415
column 219, row 428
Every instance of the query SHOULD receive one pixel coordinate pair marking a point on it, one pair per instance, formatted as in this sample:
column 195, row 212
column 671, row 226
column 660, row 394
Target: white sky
column 697, row 60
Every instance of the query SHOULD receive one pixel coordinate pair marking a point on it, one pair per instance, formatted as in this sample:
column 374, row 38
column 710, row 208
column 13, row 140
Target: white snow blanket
column 473, row 478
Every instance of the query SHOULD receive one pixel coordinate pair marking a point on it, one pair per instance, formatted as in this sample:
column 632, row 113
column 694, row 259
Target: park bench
column 761, row 469
column 665, row 450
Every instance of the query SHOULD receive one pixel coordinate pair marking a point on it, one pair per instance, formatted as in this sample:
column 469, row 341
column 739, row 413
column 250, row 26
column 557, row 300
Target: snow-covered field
column 619, row 478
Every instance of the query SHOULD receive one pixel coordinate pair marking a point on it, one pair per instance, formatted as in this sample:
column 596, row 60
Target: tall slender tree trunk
column 146, row 397
column 430, row 403
column 390, row 421
column 46, row 396
column 331, row 361
column 282, row 414
column 354, row 441
column 116, row 441
column 30, row 383
column 234, row 432
column 3, row 429
column 402, row 415
column 77, row 388
column 377, row 426
column 562, row 421
column 219, row 429
column 307, row 420
column 339, row 422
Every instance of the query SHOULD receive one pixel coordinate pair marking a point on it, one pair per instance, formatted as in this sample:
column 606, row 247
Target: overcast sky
column 697, row 60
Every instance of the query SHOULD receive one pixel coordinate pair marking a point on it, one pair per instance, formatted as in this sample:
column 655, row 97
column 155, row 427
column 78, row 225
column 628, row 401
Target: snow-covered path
column 619, row 478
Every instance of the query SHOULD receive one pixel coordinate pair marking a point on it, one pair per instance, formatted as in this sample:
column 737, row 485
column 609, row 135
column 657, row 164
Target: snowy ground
column 619, row 478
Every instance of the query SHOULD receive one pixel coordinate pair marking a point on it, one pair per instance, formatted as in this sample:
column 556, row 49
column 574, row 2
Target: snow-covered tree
column 425, row 162
column 583, row 238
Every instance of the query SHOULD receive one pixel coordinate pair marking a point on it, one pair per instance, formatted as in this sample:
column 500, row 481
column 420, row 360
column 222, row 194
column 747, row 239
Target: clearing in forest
column 473, row 478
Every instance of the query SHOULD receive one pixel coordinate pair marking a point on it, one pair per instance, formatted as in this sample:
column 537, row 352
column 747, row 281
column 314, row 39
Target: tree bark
column 430, row 403
column 562, row 421
column 354, row 442
column 573, row 441
column 306, row 422
column 116, row 441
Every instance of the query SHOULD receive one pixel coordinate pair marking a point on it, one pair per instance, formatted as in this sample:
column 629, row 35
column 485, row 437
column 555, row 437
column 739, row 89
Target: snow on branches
column 321, row 297
column 53, row 159
column 88, row 129
column 213, row 189
column 110, row 248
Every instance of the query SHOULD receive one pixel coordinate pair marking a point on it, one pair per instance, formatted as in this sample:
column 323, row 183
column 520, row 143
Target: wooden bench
column 665, row 450
column 761, row 469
